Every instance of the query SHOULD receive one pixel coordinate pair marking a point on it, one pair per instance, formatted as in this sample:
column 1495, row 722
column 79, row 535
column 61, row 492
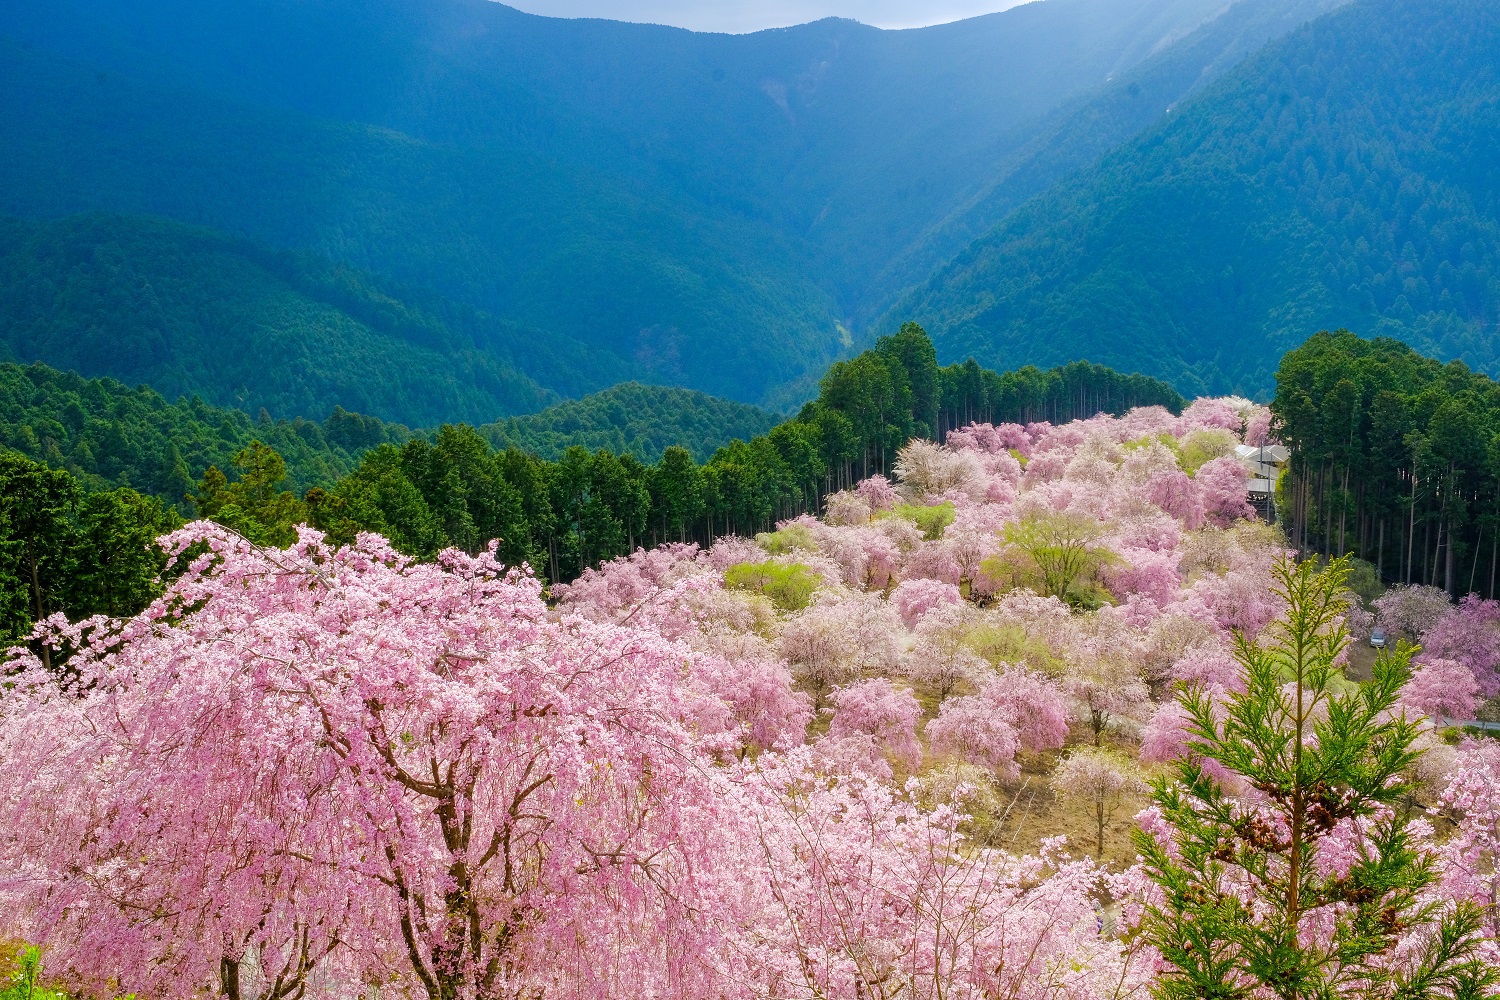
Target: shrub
column 789, row 585
column 933, row 520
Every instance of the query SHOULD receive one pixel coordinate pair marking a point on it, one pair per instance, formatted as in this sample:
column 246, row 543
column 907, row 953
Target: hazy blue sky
column 752, row 15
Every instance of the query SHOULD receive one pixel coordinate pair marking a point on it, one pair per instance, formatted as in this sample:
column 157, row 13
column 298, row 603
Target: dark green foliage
column 254, row 504
column 64, row 551
column 193, row 312
column 1396, row 459
column 709, row 299
column 1244, row 892
column 1344, row 176
column 587, row 506
column 644, row 420
column 1080, row 131
column 106, row 434
column 452, row 487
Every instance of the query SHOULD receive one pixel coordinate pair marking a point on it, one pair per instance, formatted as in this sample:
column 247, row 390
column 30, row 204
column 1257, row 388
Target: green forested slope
column 644, row 420
column 108, row 434
column 1396, row 458
column 716, row 209
column 193, row 312
column 714, row 301
column 1083, row 129
column 452, row 486
column 1345, row 176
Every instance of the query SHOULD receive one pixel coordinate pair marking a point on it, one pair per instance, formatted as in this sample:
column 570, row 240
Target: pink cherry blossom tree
column 1470, row 634
column 1014, row 710
column 402, row 772
column 832, row 643
column 1103, row 780
column 1412, row 610
column 1472, row 854
column 1444, row 689
column 878, row 709
column 878, row 493
column 868, row 896
column 1222, row 485
column 1105, row 691
column 914, row 598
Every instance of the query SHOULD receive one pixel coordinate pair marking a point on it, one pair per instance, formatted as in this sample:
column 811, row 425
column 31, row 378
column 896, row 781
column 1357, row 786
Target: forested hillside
column 453, row 489
column 455, row 486
column 1344, row 177
column 1396, row 458
column 717, row 210
column 1083, row 129
column 630, row 270
column 108, row 434
column 193, row 312
column 644, row 420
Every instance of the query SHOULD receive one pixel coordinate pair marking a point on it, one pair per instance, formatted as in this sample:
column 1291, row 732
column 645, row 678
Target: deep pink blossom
column 1222, row 484
column 1470, row 634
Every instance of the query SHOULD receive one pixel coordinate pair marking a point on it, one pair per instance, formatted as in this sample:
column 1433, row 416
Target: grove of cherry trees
column 794, row 766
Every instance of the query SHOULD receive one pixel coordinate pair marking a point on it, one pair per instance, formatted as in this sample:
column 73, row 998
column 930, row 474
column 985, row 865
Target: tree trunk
column 1494, row 543
column 36, row 596
column 1099, row 842
column 229, row 977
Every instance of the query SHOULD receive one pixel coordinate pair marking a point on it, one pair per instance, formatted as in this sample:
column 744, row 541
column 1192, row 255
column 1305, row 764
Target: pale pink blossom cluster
column 340, row 767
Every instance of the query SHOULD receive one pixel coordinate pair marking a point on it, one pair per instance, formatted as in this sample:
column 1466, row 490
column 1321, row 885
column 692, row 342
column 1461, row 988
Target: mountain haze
column 194, row 312
column 718, row 211
column 1346, row 176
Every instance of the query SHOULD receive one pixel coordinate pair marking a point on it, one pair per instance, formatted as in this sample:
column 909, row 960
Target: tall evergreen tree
column 1253, row 900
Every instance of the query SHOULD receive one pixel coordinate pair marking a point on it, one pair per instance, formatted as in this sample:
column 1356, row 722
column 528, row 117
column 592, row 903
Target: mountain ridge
column 1342, row 177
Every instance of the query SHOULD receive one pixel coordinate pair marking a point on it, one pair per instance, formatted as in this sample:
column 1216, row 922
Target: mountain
column 1083, row 129
column 109, row 434
column 713, row 209
column 1345, row 176
column 195, row 312
column 643, row 420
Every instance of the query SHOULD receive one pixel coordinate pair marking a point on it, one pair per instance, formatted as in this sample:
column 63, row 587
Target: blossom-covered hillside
column 832, row 761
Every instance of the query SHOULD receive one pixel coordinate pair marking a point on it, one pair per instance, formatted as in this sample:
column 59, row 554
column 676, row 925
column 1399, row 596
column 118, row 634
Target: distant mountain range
column 433, row 210
column 728, row 213
column 1345, row 176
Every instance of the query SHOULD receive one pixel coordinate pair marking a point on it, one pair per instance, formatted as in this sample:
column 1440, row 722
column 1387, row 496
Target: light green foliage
column 1320, row 753
column 24, row 981
column 932, row 519
column 792, row 538
column 1363, row 581
column 1056, row 552
column 1001, row 644
column 1205, row 445
column 790, row 586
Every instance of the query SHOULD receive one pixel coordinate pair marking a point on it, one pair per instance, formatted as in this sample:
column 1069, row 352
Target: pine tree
column 1303, row 882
